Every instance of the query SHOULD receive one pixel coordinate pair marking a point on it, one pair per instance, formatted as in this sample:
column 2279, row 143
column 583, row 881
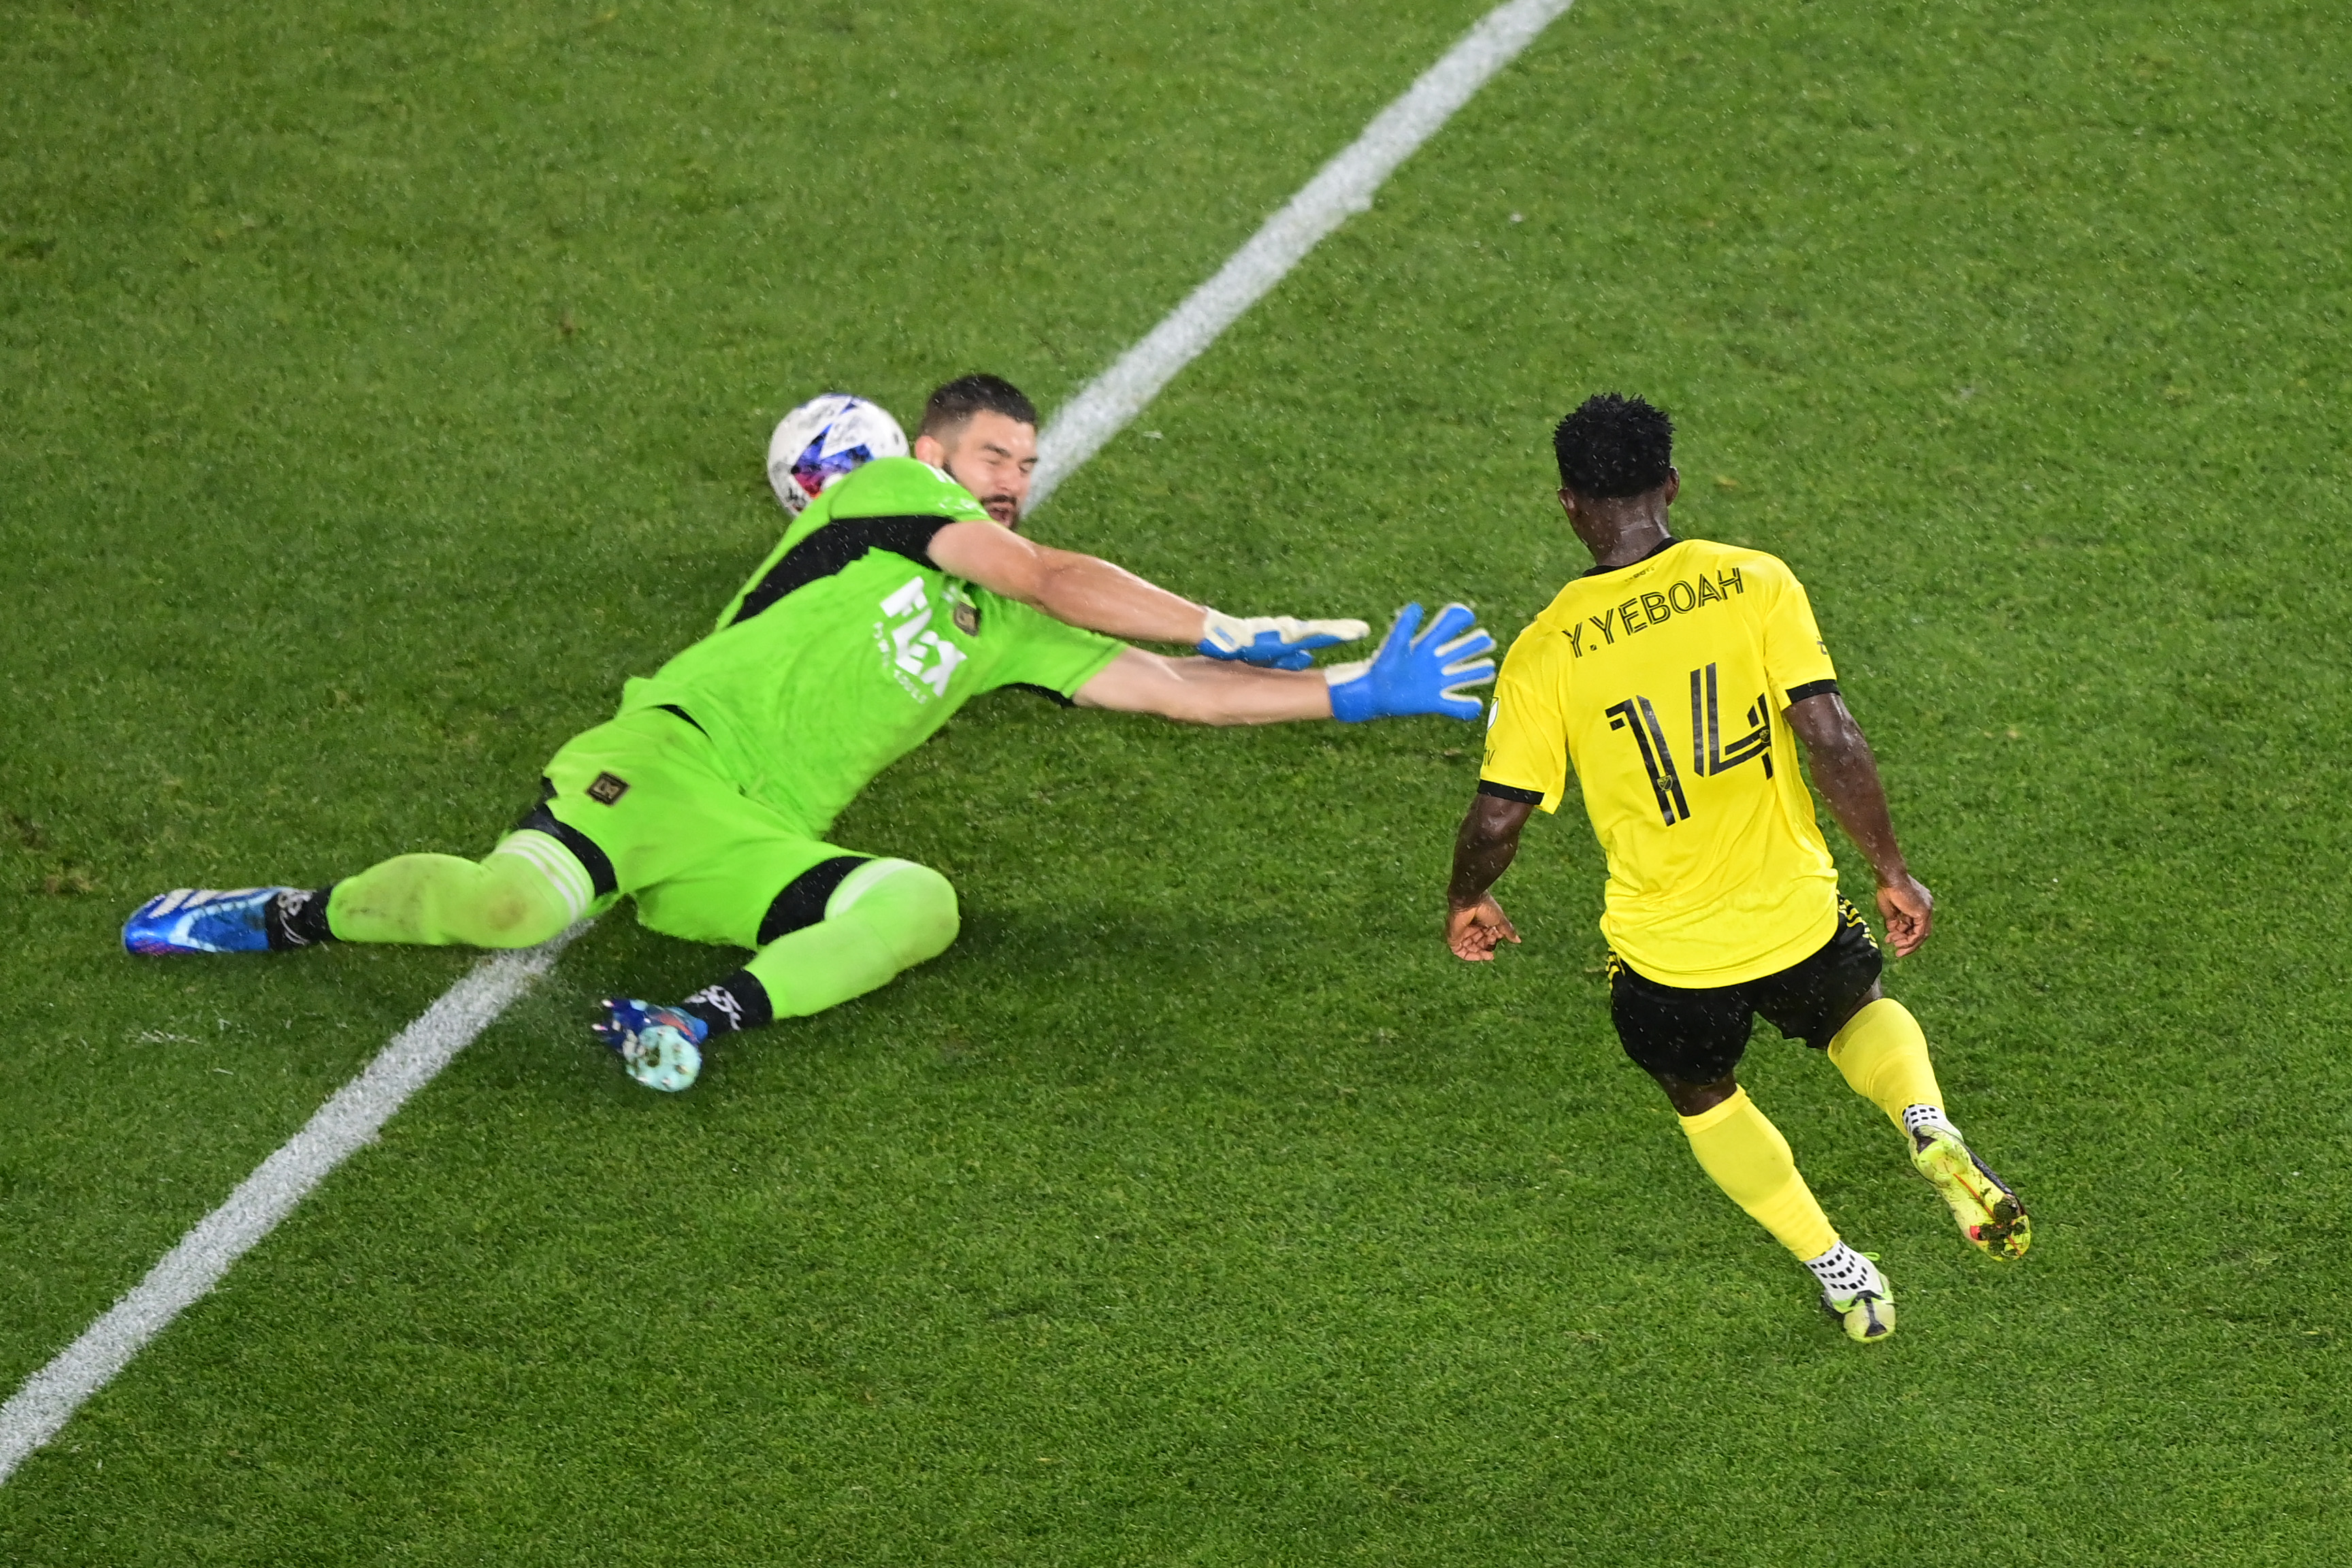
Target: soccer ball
column 824, row 438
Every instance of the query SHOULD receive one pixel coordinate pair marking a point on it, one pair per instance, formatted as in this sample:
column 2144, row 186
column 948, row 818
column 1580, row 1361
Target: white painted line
column 360, row 1108
column 351, row 1119
column 1342, row 187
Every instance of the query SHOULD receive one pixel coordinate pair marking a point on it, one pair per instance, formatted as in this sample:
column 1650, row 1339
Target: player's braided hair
column 952, row 406
column 1614, row 446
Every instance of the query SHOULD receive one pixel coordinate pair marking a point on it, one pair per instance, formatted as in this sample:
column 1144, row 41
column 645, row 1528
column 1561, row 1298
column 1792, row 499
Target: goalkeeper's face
column 992, row 456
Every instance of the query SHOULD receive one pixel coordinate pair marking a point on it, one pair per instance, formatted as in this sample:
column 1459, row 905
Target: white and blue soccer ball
column 824, row 438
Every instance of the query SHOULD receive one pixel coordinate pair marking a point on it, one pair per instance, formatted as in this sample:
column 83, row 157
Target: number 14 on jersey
column 1709, row 755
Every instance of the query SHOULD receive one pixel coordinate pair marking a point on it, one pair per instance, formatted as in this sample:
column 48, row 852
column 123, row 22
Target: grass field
column 380, row 385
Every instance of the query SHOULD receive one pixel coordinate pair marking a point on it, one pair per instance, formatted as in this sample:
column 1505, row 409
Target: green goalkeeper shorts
column 641, row 803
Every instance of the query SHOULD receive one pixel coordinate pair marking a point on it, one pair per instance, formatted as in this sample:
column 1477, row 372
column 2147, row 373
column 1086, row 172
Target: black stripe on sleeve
column 835, row 546
column 1812, row 688
column 598, row 865
column 1510, row 792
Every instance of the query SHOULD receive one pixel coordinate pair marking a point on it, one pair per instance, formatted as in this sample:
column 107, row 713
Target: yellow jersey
column 1662, row 684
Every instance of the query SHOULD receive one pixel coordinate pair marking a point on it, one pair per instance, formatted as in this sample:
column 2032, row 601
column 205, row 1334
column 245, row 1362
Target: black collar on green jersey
column 1668, row 542
column 834, row 546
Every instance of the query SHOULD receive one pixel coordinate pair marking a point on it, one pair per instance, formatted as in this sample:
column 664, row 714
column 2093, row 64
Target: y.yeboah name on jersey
column 1653, row 606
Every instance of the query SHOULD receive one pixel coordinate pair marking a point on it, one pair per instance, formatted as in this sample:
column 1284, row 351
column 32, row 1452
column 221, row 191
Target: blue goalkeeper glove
column 1410, row 674
column 1273, row 642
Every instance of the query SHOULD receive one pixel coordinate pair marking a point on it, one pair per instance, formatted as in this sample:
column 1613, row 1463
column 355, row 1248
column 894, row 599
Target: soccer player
column 899, row 594
column 1722, row 899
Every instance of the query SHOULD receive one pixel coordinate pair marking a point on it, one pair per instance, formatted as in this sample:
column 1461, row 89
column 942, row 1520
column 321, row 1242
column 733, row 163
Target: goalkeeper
column 900, row 593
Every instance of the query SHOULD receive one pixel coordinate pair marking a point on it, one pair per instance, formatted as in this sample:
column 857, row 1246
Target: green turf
column 377, row 391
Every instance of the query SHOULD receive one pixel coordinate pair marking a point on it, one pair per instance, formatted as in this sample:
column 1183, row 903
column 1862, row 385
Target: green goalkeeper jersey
column 848, row 648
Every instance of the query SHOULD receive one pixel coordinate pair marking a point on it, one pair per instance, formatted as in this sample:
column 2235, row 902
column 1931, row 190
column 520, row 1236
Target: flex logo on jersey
column 923, row 660
column 1643, row 611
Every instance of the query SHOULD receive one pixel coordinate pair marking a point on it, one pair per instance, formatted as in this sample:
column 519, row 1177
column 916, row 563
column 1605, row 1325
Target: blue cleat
column 661, row 1048
column 201, row 919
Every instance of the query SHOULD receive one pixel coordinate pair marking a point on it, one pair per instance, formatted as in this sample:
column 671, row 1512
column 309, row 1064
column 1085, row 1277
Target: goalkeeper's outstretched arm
column 1206, row 690
column 1265, row 680
column 1084, row 590
column 1090, row 592
column 1427, row 673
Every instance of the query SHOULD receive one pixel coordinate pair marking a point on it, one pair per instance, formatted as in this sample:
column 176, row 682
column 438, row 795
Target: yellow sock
column 1741, row 1148
column 1884, row 1054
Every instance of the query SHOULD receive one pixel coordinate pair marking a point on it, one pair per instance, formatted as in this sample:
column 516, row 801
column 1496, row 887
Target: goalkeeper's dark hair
column 1614, row 446
column 950, row 408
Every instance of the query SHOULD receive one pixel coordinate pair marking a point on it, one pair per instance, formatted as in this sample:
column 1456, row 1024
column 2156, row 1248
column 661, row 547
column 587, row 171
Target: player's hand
column 1424, row 674
column 1473, row 933
column 1273, row 642
column 1910, row 910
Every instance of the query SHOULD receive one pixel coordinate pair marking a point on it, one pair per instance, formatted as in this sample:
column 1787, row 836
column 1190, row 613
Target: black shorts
column 1697, row 1034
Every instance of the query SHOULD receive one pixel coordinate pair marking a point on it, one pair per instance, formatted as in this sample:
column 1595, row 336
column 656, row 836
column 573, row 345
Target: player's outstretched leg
column 1883, row 1053
column 517, row 896
column 866, row 922
column 1738, row 1145
column 530, row 889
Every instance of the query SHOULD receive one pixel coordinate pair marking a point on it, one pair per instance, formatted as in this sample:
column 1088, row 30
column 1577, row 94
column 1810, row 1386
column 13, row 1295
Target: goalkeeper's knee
column 910, row 909
column 517, row 906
